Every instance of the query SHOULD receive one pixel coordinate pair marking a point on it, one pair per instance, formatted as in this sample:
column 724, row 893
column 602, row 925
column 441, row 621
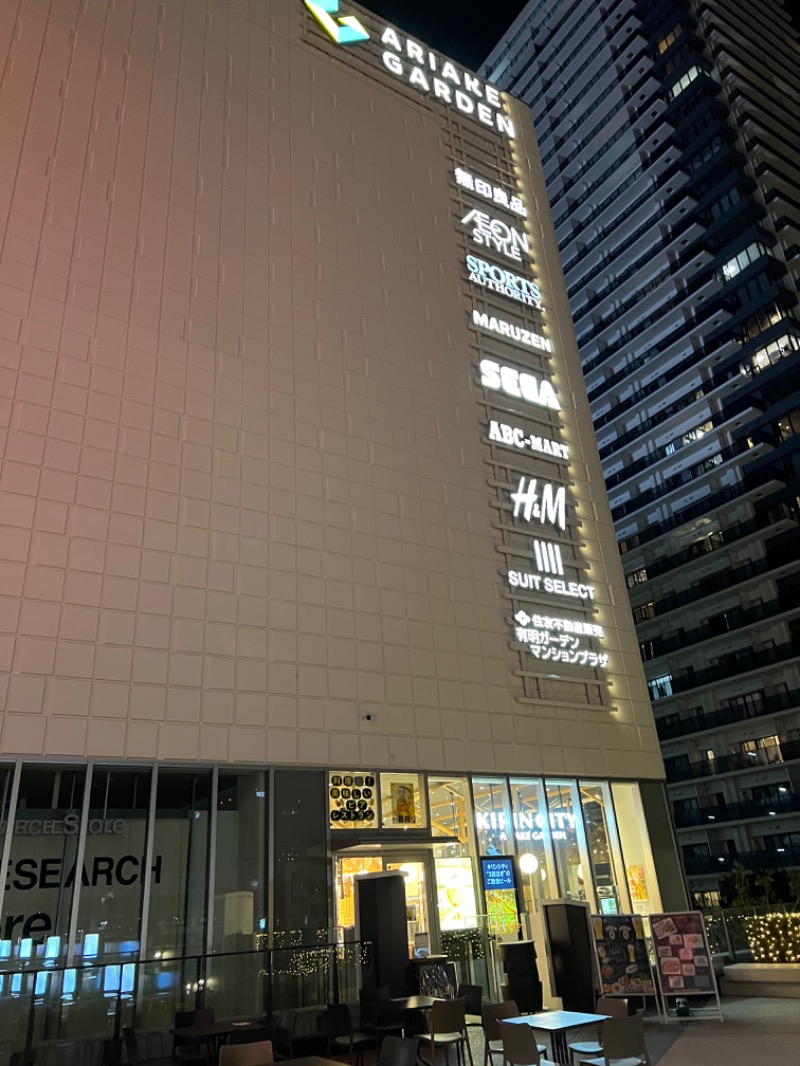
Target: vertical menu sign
column 553, row 603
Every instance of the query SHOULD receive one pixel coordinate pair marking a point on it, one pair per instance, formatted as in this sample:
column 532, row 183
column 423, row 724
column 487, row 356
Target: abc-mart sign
column 429, row 73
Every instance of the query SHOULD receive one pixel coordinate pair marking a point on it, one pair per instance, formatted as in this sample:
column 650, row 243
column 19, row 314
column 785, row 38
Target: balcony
column 742, row 662
column 740, row 712
column 738, row 761
column 729, row 622
column 719, row 581
column 763, row 859
column 784, row 803
column 721, row 539
column 672, row 484
column 689, row 514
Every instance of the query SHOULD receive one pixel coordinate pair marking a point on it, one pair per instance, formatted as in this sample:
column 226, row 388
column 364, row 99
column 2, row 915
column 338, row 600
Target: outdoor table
column 412, row 1006
column 558, row 1022
column 213, row 1036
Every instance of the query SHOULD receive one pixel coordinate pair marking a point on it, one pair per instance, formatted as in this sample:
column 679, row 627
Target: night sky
column 466, row 30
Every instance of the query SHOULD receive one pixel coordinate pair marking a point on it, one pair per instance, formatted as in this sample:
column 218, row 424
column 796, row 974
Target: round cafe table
column 558, row 1023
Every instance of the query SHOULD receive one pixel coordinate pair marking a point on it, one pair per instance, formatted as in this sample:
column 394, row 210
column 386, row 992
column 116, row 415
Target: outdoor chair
column 520, row 1047
column 493, row 1014
column 378, row 1016
column 623, row 1043
column 398, row 1051
column 132, row 1053
column 615, row 1008
column 447, row 1027
column 283, row 1034
column 259, row 1054
column 186, row 1050
column 473, row 1000
column 343, row 1039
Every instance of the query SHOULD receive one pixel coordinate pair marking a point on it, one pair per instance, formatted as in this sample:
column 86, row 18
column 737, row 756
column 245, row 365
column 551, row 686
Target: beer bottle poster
column 622, row 955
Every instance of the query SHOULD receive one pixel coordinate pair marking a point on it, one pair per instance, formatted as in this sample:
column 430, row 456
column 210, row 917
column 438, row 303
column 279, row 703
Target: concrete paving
column 756, row 1032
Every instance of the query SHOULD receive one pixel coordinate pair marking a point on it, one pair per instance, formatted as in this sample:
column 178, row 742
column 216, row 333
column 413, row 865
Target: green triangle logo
column 344, row 29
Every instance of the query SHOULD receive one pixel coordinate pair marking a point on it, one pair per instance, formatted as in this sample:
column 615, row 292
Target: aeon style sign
column 496, row 235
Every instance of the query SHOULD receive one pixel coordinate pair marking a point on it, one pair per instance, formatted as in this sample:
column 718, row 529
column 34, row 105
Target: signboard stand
column 683, row 964
column 622, row 957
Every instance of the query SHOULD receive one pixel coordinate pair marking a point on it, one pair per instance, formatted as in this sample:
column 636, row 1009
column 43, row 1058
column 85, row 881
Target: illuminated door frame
column 394, row 854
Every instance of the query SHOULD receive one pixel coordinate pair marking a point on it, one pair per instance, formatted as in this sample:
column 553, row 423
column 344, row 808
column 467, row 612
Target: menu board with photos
column 622, row 955
column 352, row 799
column 683, row 958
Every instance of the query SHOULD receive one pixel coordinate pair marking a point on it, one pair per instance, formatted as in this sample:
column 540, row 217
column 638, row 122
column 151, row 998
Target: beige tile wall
column 243, row 498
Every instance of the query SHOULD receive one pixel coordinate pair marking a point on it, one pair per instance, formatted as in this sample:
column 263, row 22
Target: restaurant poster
column 622, row 955
column 403, row 803
column 683, row 958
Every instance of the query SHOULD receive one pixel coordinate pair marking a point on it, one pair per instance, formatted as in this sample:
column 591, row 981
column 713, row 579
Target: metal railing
column 74, row 1016
column 726, row 764
column 738, row 811
column 757, row 706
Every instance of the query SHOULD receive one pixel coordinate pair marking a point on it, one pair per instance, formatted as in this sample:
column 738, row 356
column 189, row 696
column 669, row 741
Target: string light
column 774, row 937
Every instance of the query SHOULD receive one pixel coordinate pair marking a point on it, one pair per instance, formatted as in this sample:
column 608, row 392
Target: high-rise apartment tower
column 668, row 133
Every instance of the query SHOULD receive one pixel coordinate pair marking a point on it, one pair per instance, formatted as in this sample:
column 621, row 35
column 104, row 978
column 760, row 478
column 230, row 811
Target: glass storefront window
column 44, row 850
column 402, row 801
column 583, row 840
column 348, row 869
column 178, row 905
column 492, row 816
column 448, row 799
column 240, row 906
column 451, row 817
column 603, row 847
column 532, row 832
column 352, row 799
column 300, row 874
column 640, row 873
column 460, row 922
column 569, row 845
column 110, row 907
column 495, row 834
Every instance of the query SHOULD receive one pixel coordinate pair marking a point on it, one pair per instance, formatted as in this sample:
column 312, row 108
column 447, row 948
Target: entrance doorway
column 416, row 869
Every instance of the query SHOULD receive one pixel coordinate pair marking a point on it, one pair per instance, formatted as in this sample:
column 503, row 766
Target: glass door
column 418, row 909
column 416, row 870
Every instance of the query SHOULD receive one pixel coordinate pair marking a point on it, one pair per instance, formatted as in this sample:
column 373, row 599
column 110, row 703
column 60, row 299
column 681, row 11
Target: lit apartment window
column 770, row 354
column 688, row 437
column 789, row 425
column 761, row 750
column 647, row 650
column 735, row 265
column 638, row 577
column 684, row 82
column 647, row 610
column 660, row 687
column 670, row 39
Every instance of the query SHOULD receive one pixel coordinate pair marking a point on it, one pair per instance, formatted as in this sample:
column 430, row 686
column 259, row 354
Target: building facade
column 308, row 569
column 668, row 134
